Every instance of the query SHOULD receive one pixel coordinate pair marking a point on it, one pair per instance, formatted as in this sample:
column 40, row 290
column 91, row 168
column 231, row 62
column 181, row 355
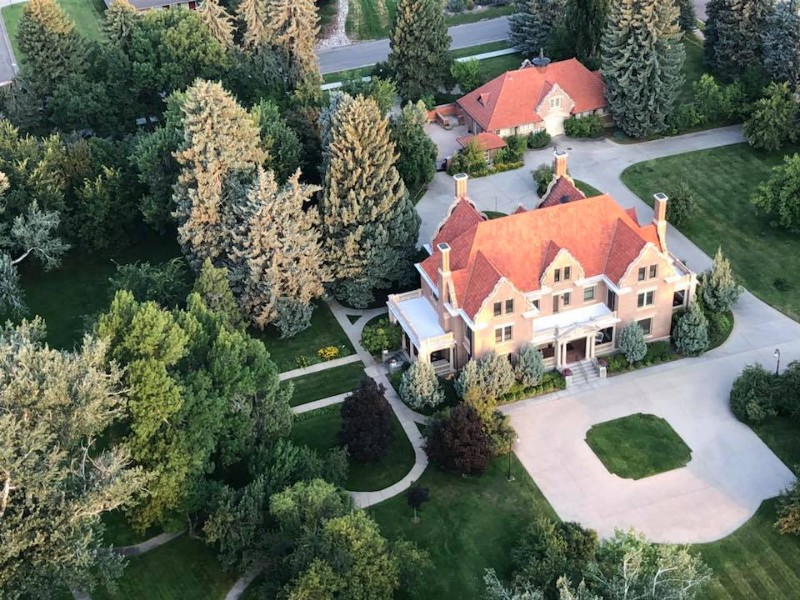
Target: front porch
column 423, row 337
column 580, row 334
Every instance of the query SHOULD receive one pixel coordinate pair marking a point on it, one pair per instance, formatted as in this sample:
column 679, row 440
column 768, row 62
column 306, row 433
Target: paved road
column 368, row 53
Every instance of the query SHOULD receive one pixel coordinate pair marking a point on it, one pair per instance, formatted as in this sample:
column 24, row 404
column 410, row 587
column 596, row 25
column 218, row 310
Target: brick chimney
column 445, row 276
column 559, row 163
column 660, row 217
column 461, row 184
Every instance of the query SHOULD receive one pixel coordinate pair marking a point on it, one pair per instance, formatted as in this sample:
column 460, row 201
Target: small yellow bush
column 328, row 352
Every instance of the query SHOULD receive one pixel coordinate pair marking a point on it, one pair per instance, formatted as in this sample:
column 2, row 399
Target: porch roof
column 594, row 314
column 420, row 322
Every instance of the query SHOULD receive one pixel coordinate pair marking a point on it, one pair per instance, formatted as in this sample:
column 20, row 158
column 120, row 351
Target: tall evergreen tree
column 419, row 57
column 416, row 151
column 292, row 26
column 733, row 35
column 279, row 256
column 688, row 18
column 51, row 47
column 533, row 23
column 252, row 14
column 119, row 21
column 585, row 20
column 781, row 43
column 642, row 64
column 217, row 20
column 369, row 225
column 278, row 139
column 220, row 144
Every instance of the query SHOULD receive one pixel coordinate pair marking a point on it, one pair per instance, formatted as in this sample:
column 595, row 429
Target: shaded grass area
column 638, row 446
column 79, row 287
column 471, row 16
column 587, row 189
column 469, row 524
column 694, row 67
column 759, row 253
column 326, row 9
column 493, row 214
column 492, row 67
column 86, row 14
column 119, row 533
column 329, row 382
column 185, row 568
column 479, row 49
column 318, row 430
column 288, row 353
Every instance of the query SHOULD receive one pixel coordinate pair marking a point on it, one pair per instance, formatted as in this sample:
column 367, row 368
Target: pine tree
column 218, row 21
column 631, row 342
column 119, row 21
column 530, row 367
column 52, row 49
column 688, row 18
column 213, row 288
column 369, row 225
column 253, row 16
column 419, row 57
column 690, row 334
column 278, row 139
column 533, row 23
column 416, row 151
column 220, row 145
column 585, row 20
column 292, row 26
column 420, row 388
column 719, row 288
column 280, row 255
column 781, row 43
column 733, row 35
column 642, row 64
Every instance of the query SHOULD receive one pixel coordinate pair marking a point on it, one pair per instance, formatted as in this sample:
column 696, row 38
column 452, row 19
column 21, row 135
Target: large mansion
column 565, row 277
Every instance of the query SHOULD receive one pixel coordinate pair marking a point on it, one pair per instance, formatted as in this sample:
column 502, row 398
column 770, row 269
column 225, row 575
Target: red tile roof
column 486, row 141
column 562, row 192
column 512, row 98
column 598, row 232
column 462, row 217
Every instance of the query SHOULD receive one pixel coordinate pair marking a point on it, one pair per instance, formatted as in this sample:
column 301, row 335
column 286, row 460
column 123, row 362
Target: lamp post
column 510, row 477
column 777, row 355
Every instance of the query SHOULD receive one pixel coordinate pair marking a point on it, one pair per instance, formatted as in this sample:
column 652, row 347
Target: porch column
column 424, row 354
column 558, row 354
column 590, row 347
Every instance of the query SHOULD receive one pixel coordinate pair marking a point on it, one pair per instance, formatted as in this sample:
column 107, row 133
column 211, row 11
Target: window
column 653, row 271
column 469, row 340
column 646, row 299
column 642, row 273
column 509, row 306
column 567, row 273
column 588, row 294
column 555, row 102
column 557, row 275
column 535, row 304
column 566, row 298
column 646, row 325
column 503, row 334
column 498, row 309
column 604, row 336
column 679, row 299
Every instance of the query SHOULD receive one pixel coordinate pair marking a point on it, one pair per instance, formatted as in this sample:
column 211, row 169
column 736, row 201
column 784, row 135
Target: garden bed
column 657, row 353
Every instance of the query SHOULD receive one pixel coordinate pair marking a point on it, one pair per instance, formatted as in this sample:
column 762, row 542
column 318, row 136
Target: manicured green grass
column 370, row 19
column 471, row 16
column 79, row 287
column 469, row 524
column 324, row 331
column 329, row 382
column 694, row 67
column 638, row 446
column 723, row 181
column 493, row 214
column 184, row 568
column 479, row 49
column 86, row 14
column 119, row 533
column 782, row 435
column 587, row 189
column 318, row 430
column 492, row 67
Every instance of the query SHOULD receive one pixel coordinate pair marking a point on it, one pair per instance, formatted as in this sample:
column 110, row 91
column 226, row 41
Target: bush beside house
column 590, row 126
column 381, row 335
column 420, row 387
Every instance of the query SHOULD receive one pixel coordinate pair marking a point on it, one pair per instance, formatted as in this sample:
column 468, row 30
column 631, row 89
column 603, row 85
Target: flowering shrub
column 328, row 352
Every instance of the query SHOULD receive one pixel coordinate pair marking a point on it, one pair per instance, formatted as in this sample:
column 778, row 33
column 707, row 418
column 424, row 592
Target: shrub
column 470, row 160
column 538, row 139
column 788, row 396
column 778, row 198
column 719, row 288
column 328, row 352
column 515, row 148
column 631, row 343
column 506, row 166
column 530, row 366
column 501, row 434
column 773, row 122
column 457, row 442
column 719, row 327
column 542, row 177
column 302, row 361
column 789, row 510
column 466, row 74
column 690, row 334
column 681, row 205
column 753, row 394
column 590, row 126
column 456, row 6
column 497, row 374
column 419, row 387
column 367, row 428
column 658, row 352
column 381, row 335
column 552, row 381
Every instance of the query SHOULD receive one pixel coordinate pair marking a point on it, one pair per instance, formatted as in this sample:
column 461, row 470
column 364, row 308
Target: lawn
column 694, row 67
column 86, row 14
column 469, row 524
column 492, row 67
column 761, row 255
column 119, row 533
column 638, row 446
column 79, row 287
column 587, row 189
column 184, row 568
column 329, row 382
column 301, row 350
column 318, row 429
column 471, row 16
column 479, row 49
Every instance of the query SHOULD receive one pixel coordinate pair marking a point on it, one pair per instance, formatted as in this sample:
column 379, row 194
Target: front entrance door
column 576, row 351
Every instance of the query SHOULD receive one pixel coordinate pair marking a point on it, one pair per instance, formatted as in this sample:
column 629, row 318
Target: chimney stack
column 559, row 163
column 660, row 217
column 444, row 250
column 461, row 185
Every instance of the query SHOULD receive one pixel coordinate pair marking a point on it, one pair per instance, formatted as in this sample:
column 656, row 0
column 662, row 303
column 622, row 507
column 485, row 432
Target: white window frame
column 555, row 102
column 640, row 321
column 644, row 293
column 502, row 330
column 593, row 290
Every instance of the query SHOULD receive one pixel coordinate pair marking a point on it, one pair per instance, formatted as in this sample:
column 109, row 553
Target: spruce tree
column 280, row 255
column 688, row 18
column 585, row 20
column 292, row 26
column 220, row 145
column 252, row 14
column 533, row 23
column 733, row 35
column 119, row 21
column 690, row 334
column 642, row 64
column 419, row 45
column 369, row 225
column 416, row 150
column 719, row 288
column 51, row 47
column 218, row 21
column 781, row 43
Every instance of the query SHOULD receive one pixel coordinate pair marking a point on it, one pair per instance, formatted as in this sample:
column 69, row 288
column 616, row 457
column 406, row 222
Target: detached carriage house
column 565, row 276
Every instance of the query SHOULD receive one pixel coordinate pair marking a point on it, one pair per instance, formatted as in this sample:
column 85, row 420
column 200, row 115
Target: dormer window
column 483, row 99
column 555, row 102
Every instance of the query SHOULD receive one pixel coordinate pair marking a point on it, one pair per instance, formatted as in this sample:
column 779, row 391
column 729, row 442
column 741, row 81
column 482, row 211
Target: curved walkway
column 147, row 545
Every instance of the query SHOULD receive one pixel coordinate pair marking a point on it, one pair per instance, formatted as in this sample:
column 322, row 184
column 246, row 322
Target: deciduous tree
column 789, row 510
column 773, row 122
column 681, row 205
column 416, row 151
column 367, row 426
column 779, row 196
column 458, row 442
column 532, row 24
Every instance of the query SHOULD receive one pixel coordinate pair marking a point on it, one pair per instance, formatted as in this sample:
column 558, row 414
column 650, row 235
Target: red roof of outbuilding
column 513, row 98
column 486, row 141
